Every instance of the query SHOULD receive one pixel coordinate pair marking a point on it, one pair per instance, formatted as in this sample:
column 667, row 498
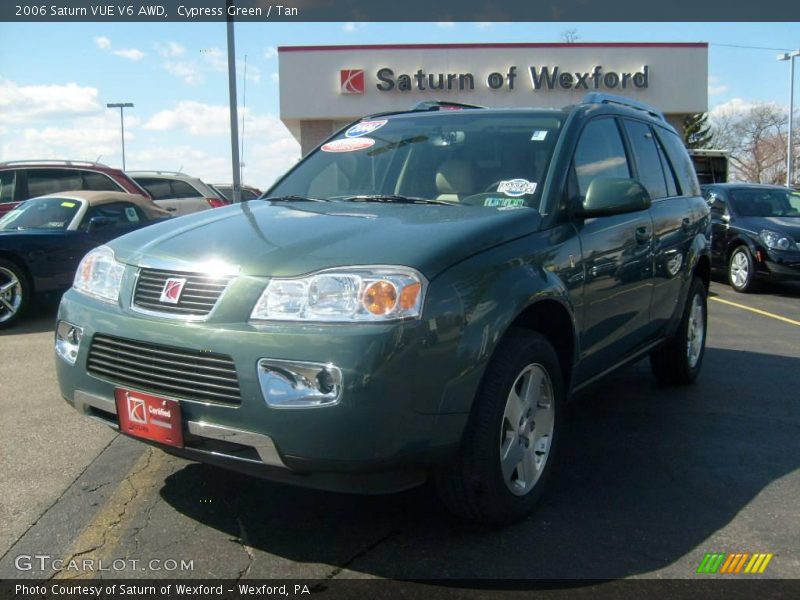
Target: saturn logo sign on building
column 352, row 81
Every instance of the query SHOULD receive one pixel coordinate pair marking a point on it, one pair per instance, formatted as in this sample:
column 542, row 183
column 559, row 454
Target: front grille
column 190, row 374
column 199, row 296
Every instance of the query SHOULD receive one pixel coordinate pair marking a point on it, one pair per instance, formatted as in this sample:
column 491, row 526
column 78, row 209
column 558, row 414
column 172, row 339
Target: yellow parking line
column 757, row 311
column 103, row 533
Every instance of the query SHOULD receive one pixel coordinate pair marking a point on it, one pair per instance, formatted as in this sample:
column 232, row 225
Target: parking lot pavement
column 649, row 480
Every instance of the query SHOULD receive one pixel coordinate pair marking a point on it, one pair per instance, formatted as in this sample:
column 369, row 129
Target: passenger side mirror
column 614, row 196
column 99, row 223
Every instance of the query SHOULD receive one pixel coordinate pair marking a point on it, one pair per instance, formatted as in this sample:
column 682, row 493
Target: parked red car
column 23, row 179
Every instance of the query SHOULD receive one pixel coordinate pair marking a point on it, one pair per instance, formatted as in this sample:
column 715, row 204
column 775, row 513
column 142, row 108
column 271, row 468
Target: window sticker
column 539, row 135
column 516, row 187
column 68, row 204
column 504, row 202
column 364, row 128
column 348, row 145
column 132, row 215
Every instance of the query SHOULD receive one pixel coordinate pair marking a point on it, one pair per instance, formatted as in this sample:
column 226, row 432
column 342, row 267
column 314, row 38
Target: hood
column 785, row 225
column 284, row 239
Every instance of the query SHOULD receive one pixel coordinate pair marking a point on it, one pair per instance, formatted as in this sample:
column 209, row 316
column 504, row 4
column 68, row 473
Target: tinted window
column 762, row 202
column 248, row 195
column 645, row 155
column 669, row 172
column 50, row 181
column 99, row 182
column 181, row 189
column 6, row 186
column 600, row 153
column 123, row 214
column 159, row 189
column 41, row 213
column 681, row 162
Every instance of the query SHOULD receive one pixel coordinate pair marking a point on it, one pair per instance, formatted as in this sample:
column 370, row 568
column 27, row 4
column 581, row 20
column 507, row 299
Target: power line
column 751, row 47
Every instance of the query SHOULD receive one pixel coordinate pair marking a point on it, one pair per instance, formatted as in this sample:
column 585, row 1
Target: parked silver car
column 179, row 193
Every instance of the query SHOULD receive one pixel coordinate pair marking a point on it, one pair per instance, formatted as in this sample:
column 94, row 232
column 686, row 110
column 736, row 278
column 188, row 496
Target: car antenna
column 97, row 160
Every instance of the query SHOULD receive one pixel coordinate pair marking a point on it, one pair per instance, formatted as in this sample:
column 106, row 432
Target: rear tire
column 678, row 362
column 510, row 442
column 15, row 293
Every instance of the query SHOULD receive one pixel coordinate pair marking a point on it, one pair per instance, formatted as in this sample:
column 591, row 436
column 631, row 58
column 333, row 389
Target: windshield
column 495, row 160
column 765, row 203
column 41, row 213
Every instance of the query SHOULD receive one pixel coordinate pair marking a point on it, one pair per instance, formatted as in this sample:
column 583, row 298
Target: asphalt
column 650, row 479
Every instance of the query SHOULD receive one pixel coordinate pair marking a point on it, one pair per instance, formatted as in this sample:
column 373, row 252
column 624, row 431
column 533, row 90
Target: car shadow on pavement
column 646, row 476
column 40, row 318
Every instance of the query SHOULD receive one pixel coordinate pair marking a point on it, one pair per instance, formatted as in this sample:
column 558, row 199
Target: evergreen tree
column 697, row 132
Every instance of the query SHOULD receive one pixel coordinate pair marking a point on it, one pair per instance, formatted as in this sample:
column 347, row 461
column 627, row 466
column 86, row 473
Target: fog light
column 68, row 341
column 297, row 384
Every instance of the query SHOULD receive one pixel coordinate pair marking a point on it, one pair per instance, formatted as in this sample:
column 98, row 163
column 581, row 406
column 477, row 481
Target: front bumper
column 782, row 266
column 383, row 435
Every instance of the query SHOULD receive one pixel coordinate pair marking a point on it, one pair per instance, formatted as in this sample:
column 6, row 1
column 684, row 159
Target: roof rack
column 159, row 172
column 52, row 161
column 601, row 98
column 442, row 105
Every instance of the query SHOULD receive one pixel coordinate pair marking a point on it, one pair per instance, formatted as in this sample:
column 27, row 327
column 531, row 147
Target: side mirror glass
column 614, row 196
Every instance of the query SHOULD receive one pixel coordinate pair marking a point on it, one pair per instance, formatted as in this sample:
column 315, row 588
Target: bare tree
column 755, row 138
column 570, row 36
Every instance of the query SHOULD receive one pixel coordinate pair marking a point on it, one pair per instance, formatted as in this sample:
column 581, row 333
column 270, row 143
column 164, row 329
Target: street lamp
column 121, row 106
column 790, row 56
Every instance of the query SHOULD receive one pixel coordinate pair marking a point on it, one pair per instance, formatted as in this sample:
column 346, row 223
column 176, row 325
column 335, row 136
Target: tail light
column 216, row 202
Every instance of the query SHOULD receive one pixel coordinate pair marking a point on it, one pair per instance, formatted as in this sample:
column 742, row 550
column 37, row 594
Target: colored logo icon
column 136, row 410
column 734, row 563
column 351, row 81
column 173, row 287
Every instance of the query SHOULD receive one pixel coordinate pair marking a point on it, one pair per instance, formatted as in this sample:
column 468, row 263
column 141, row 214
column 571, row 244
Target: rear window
column 681, row 163
column 181, row 189
column 159, row 189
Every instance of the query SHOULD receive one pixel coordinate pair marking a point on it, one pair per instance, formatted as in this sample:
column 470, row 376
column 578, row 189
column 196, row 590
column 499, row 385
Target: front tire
column 678, row 362
column 510, row 442
column 741, row 270
column 14, row 293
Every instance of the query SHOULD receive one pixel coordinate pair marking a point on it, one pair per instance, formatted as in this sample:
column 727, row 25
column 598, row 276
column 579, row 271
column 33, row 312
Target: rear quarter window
column 681, row 163
column 7, row 186
column 181, row 189
column 100, row 182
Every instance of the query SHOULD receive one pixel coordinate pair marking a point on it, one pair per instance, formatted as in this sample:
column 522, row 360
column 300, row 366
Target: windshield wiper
column 393, row 198
column 294, row 198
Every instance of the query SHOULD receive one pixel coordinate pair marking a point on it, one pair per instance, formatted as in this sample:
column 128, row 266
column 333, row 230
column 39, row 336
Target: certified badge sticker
column 364, row 127
column 348, row 145
column 516, row 187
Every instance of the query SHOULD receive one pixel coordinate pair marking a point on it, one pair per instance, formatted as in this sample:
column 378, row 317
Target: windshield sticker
column 516, row 187
column 539, row 135
column 364, row 128
column 501, row 202
column 68, row 204
column 348, row 145
column 130, row 212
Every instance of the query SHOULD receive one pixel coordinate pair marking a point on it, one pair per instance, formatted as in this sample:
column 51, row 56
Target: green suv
column 417, row 298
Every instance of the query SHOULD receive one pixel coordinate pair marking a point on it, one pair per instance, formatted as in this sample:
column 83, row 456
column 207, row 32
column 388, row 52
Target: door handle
column 643, row 234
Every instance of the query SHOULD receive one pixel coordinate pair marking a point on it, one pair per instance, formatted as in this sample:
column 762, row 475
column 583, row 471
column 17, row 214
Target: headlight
column 344, row 295
column 775, row 240
column 99, row 275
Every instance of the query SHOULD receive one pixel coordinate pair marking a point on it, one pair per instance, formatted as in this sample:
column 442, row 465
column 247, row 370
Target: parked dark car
column 756, row 233
column 248, row 192
column 43, row 240
column 417, row 297
column 23, row 179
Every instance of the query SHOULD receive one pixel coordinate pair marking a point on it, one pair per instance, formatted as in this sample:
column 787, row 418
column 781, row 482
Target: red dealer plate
column 149, row 417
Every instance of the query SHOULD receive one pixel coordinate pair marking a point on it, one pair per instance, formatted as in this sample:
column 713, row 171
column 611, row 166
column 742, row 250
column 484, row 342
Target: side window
column 600, row 153
column 50, row 181
column 684, row 169
column 181, row 189
column 123, row 214
column 669, row 172
column 645, row 154
column 158, row 188
column 7, row 186
column 99, row 182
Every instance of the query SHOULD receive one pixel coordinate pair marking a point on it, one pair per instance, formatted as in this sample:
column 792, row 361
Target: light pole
column 121, row 106
column 790, row 56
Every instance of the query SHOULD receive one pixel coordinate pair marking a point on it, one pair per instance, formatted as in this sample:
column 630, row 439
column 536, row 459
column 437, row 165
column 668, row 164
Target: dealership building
column 322, row 88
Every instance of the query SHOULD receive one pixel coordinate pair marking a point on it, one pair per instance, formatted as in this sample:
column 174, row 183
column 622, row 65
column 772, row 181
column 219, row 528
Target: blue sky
column 55, row 80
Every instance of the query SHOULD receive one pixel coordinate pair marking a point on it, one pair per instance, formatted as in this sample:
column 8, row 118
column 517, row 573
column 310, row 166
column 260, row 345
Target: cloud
column 185, row 70
column 129, row 53
column 102, row 42
column 270, row 52
column 352, row 27
column 275, row 77
column 715, row 87
column 731, row 107
column 170, row 49
column 22, row 104
column 215, row 58
column 199, row 119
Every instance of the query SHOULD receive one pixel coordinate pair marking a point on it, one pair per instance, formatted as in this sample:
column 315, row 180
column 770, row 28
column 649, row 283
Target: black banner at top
column 254, row 11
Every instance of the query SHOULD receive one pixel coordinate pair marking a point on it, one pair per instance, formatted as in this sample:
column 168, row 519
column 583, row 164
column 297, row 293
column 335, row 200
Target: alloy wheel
column 10, row 294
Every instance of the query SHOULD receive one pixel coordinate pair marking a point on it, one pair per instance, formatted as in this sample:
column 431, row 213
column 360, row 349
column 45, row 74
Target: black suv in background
column 756, row 232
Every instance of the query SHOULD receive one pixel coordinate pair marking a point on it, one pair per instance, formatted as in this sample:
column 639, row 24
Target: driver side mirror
column 614, row 196
column 99, row 223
